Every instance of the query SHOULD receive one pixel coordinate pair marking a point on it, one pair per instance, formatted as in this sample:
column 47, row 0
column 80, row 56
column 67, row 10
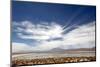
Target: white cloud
column 81, row 37
column 39, row 31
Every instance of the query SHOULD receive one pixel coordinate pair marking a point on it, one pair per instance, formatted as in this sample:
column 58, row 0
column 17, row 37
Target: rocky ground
column 55, row 60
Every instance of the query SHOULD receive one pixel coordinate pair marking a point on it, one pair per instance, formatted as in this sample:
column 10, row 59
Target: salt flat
column 52, row 55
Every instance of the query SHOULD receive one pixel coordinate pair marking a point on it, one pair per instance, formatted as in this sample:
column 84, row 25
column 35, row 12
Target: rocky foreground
column 55, row 60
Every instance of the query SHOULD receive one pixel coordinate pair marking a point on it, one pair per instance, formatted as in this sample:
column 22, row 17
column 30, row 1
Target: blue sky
column 36, row 16
column 35, row 11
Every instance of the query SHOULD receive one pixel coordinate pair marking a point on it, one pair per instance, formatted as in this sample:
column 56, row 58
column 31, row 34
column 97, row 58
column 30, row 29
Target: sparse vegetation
column 55, row 60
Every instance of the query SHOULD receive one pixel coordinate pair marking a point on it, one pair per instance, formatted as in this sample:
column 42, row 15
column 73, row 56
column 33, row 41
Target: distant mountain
column 72, row 50
column 83, row 49
column 59, row 50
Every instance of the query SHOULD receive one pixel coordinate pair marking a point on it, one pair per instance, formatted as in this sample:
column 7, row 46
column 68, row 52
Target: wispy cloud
column 53, row 35
column 42, row 31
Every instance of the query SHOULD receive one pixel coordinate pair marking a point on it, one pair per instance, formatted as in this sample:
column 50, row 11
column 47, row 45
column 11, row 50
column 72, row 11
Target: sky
column 44, row 26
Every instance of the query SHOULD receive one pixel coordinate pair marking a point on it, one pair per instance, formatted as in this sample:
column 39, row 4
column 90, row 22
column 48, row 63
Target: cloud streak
column 39, row 31
column 53, row 35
